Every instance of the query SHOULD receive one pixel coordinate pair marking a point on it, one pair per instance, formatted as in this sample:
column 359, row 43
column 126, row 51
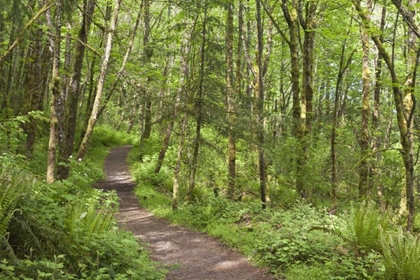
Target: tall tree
column 260, row 107
column 230, row 101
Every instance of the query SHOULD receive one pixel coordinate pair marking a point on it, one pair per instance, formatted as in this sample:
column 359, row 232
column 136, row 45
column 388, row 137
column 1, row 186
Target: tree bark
column 298, row 124
column 175, row 188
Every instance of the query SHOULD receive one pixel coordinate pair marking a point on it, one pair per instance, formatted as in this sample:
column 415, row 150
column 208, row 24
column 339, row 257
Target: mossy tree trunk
column 55, row 87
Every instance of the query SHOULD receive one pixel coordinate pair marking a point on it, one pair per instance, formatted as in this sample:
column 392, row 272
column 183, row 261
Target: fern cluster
column 401, row 254
column 13, row 183
column 365, row 225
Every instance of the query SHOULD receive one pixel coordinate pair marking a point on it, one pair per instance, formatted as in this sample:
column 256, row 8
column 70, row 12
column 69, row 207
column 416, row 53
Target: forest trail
column 189, row 255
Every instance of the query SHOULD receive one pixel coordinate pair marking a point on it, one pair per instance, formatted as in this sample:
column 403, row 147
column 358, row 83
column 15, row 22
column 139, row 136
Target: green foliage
column 105, row 136
column 289, row 239
column 284, row 240
column 304, row 272
column 67, row 230
column 401, row 252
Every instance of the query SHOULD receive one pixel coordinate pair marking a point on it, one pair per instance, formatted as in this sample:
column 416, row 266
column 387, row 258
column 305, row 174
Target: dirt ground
column 189, row 255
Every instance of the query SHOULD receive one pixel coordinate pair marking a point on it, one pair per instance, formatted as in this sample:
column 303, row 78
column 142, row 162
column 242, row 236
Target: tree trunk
column 364, row 139
column 74, row 87
column 260, row 108
column 101, row 80
column 147, row 57
column 298, row 123
column 177, row 169
column 123, row 64
column 309, row 25
column 230, row 102
column 55, row 87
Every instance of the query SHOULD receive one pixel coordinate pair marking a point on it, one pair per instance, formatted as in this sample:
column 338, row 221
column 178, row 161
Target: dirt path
column 192, row 255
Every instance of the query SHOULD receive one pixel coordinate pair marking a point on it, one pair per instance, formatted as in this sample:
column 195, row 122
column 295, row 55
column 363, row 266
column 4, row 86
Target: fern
column 26, row 227
column 364, row 225
column 12, row 185
column 401, row 254
column 7, row 248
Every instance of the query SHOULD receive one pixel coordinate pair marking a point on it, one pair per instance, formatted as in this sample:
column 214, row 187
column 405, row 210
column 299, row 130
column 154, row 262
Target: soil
column 188, row 255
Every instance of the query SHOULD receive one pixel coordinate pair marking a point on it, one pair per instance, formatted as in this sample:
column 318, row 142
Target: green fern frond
column 26, row 227
column 7, row 248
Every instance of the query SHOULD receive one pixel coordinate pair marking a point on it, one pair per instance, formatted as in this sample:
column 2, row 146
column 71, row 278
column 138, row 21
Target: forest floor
column 188, row 255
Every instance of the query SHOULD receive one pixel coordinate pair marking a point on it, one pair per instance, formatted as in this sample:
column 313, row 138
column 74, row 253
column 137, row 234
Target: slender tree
column 147, row 57
column 101, row 80
column 55, row 87
column 364, row 139
column 230, row 101
column 260, row 108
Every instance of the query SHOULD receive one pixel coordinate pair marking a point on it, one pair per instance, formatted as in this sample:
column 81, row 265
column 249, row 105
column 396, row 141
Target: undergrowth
column 297, row 242
column 66, row 230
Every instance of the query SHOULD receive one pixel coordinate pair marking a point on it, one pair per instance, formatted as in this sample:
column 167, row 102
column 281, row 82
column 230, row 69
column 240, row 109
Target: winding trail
column 188, row 254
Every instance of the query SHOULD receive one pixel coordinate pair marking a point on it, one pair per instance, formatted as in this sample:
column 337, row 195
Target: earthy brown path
column 189, row 255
